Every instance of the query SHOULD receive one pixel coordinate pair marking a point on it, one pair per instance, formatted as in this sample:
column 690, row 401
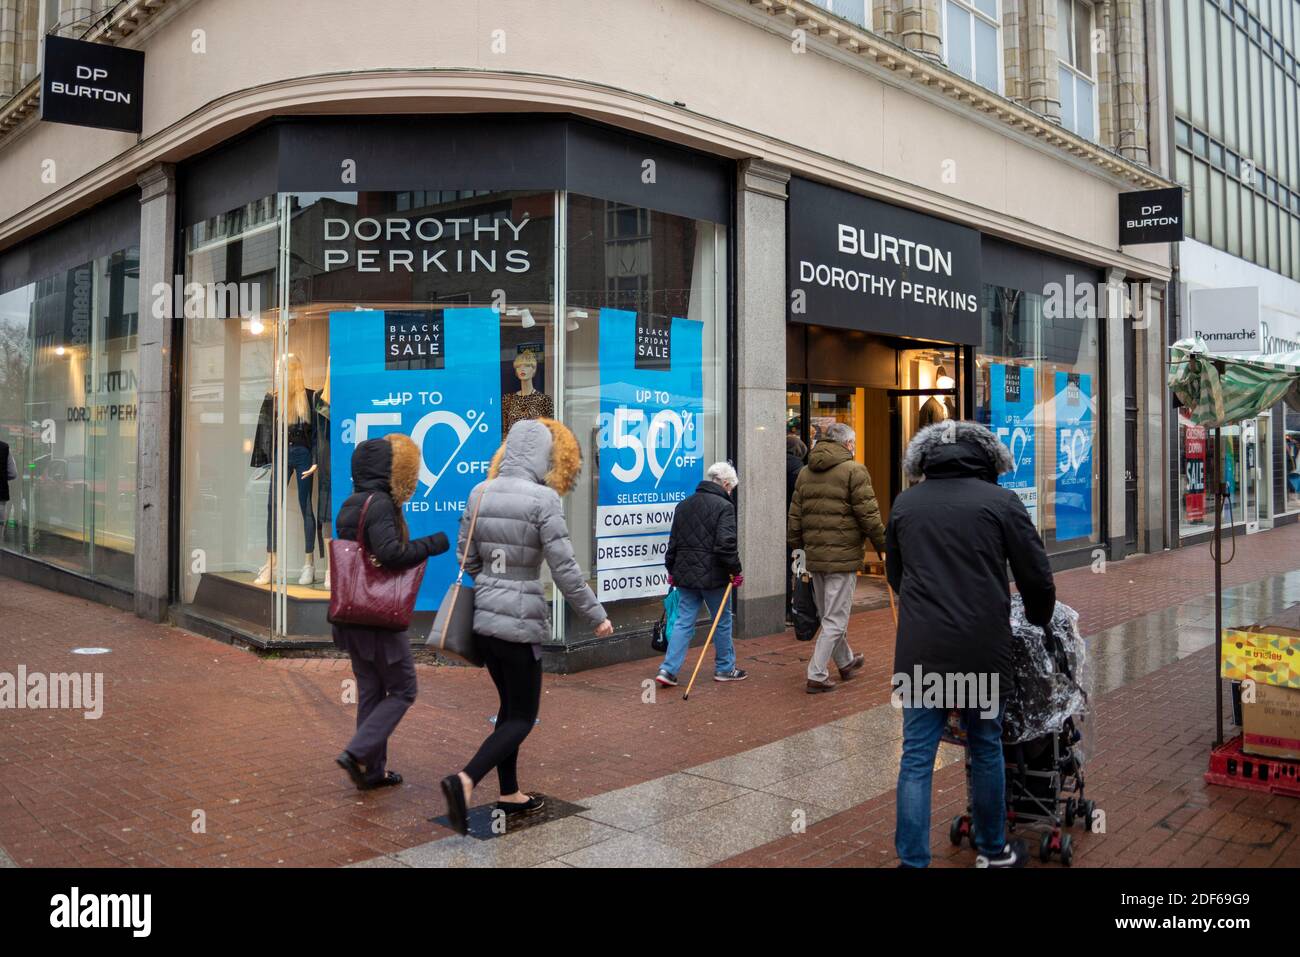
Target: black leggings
column 517, row 673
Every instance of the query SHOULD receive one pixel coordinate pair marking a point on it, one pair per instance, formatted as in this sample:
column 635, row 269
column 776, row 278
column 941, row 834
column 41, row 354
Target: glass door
column 1249, row 474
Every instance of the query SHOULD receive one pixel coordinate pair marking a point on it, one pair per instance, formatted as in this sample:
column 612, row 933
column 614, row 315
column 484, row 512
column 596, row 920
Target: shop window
column 1291, row 460
column 442, row 314
column 971, row 41
column 643, row 344
column 1037, row 381
column 68, row 407
column 1076, row 67
column 426, row 312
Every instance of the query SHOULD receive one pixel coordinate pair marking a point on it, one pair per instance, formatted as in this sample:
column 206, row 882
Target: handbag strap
column 470, row 537
column 361, row 525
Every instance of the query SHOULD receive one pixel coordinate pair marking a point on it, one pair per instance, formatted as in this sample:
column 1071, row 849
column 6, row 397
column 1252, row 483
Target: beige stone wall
column 745, row 91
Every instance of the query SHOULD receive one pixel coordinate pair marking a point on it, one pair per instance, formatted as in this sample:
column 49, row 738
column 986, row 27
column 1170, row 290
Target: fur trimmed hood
column 405, row 471
column 954, row 448
column 542, row 450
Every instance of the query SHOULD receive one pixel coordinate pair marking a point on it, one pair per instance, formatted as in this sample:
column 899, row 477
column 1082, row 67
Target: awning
column 1220, row 389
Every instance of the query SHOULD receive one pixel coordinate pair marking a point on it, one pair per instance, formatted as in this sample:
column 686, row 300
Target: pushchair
column 1041, row 736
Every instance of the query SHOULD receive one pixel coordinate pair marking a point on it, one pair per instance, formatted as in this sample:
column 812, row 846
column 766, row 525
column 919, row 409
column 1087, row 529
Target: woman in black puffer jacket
column 384, row 472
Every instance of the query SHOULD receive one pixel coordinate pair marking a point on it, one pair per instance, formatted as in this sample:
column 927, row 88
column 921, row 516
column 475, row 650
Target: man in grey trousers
column 832, row 515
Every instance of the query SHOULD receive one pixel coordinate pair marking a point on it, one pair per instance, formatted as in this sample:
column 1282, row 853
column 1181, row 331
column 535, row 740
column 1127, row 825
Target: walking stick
column 893, row 608
column 726, row 596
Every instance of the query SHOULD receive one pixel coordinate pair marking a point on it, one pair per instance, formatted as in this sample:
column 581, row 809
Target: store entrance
column 900, row 388
column 926, row 389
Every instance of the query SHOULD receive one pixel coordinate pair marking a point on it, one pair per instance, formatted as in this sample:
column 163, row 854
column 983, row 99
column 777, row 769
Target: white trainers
column 263, row 576
column 308, row 575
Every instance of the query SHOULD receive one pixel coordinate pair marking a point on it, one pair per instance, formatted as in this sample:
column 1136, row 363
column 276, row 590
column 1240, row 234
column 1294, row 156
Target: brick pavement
column 191, row 724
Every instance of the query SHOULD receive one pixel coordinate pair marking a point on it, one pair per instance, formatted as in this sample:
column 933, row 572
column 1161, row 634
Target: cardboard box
column 1266, row 654
column 1270, row 724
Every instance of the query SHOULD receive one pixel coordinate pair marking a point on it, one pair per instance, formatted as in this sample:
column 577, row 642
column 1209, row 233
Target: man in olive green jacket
column 832, row 515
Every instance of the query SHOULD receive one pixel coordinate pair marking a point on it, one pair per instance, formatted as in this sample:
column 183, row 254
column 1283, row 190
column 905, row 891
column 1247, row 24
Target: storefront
column 458, row 276
column 68, row 404
column 1236, row 307
column 898, row 320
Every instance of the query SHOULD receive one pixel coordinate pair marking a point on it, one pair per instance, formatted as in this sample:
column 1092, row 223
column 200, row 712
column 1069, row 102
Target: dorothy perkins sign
column 855, row 263
column 92, row 84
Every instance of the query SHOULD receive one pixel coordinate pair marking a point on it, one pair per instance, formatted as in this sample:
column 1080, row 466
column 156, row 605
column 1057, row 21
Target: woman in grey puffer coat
column 520, row 524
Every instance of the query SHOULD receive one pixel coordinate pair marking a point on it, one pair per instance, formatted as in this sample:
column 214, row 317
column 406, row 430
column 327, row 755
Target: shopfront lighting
column 574, row 316
column 60, row 351
column 525, row 316
column 255, row 326
column 942, row 380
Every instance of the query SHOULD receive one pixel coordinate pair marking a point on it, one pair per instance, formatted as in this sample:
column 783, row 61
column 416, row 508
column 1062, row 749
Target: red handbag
column 363, row 592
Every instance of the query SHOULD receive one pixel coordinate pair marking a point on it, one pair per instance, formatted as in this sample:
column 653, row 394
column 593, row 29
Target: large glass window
column 1076, row 69
column 971, row 42
column 1037, row 382
column 68, row 380
column 442, row 314
column 644, row 385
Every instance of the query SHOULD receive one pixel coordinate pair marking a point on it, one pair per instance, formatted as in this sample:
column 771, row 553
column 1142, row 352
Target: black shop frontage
column 897, row 319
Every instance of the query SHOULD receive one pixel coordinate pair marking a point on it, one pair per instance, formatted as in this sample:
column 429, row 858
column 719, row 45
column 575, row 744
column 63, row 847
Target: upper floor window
column 1077, row 67
column 855, row 11
column 971, row 43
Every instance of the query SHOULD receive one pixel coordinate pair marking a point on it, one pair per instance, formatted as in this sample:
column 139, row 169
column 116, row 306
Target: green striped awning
column 1221, row 389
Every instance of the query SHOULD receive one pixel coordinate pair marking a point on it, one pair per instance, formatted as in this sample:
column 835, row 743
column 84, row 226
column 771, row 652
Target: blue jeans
column 921, row 730
column 299, row 461
column 688, row 609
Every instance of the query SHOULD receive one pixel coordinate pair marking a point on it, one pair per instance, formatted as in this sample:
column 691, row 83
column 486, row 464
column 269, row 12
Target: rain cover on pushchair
column 1048, row 671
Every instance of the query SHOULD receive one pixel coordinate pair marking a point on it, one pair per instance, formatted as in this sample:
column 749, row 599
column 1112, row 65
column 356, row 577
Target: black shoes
column 349, row 764
column 512, row 808
column 457, row 812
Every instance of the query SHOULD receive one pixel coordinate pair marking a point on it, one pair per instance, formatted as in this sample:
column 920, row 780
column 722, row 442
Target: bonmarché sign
column 855, row 263
column 92, row 84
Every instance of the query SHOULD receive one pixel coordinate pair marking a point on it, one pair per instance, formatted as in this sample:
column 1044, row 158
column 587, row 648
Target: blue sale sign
column 650, row 441
column 432, row 374
column 1073, row 405
column 1011, row 408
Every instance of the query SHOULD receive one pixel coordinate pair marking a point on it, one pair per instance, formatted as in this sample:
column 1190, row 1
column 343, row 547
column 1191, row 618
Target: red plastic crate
column 1230, row 767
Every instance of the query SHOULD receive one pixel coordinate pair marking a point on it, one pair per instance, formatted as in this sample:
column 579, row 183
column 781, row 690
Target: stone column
column 153, row 443
column 1039, row 83
column 913, row 24
column 1126, row 41
column 760, row 394
column 9, row 48
column 1113, row 327
column 1151, row 420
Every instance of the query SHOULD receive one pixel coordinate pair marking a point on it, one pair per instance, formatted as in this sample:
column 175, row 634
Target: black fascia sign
column 857, row 263
column 92, row 84
column 1151, row 216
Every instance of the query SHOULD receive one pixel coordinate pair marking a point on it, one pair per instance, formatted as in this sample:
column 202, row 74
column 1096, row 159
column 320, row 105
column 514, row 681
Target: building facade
column 758, row 219
column 1236, row 133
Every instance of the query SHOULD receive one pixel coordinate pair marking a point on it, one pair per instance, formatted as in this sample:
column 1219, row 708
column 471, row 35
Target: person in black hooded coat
column 384, row 472
column 947, row 546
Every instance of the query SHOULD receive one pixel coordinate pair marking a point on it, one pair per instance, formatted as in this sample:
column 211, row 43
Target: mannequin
column 299, row 411
column 527, row 403
column 323, row 504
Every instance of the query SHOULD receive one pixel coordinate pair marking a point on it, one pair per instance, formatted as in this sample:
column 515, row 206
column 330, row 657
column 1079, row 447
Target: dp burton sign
column 92, row 84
